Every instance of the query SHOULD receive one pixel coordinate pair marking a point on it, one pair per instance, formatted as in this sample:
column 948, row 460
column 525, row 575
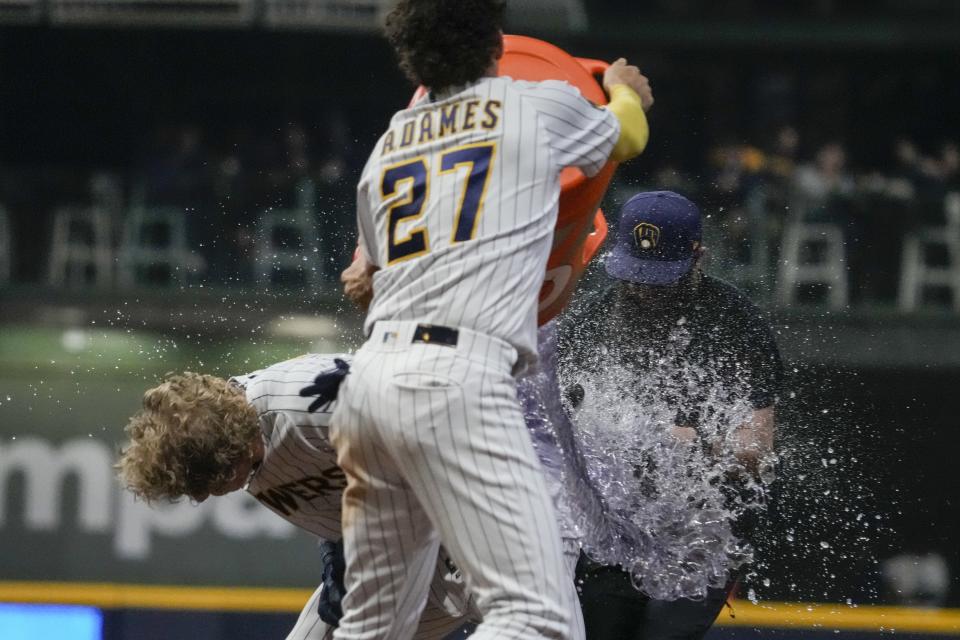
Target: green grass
column 60, row 383
column 124, row 353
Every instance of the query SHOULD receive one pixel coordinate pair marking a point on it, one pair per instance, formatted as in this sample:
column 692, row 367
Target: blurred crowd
column 750, row 190
column 701, row 9
column 223, row 181
column 825, row 187
column 228, row 185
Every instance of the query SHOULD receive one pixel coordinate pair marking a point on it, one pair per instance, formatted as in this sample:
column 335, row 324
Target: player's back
column 458, row 202
column 298, row 477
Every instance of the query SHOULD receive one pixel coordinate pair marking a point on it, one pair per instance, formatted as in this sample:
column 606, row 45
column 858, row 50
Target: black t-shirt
column 712, row 349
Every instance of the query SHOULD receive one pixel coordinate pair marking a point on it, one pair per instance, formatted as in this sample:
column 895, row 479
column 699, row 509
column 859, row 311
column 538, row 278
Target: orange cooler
column 581, row 227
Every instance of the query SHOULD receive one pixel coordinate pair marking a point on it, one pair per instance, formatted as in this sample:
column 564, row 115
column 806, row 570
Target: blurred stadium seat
column 916, row 272
column 155, row 243
column 813, row 253
column 747, row 264
column 81, row 250
column 284, row 239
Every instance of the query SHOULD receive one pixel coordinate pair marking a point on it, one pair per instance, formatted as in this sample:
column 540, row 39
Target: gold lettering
column 387, row 143
column 406, row 138
column 448, row 118
column 492, row 110
column 426, row 128
column 468, row 118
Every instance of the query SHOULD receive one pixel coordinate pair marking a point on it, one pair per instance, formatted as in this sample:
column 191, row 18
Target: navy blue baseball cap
column 657, row 239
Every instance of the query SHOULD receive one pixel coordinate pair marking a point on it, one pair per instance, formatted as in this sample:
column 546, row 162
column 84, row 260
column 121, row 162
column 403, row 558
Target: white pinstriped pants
column 448, row 607
column 434, row 447
column 435, row 623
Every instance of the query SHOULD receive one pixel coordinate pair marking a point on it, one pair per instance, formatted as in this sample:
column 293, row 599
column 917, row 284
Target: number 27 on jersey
column 414, row 177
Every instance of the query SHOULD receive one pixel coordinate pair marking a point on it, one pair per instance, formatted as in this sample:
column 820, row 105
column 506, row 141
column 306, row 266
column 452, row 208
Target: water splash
column 662, row 509
column 685, row 497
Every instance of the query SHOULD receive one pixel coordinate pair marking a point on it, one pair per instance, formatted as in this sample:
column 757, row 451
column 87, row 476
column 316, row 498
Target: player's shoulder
column 324, row 359
column 300, row 367
column 547, row 94
column 544, row 87
column 732, row 308
column 593, row 304
column 371, row 161
column 275, row 390
column 581, row 322
column 306, row 360
column 559, row 99
column 726, row 297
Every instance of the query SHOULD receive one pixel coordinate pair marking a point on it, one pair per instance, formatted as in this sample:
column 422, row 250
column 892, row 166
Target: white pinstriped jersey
column 458, row 202
column 298, row 478
column 300, row 481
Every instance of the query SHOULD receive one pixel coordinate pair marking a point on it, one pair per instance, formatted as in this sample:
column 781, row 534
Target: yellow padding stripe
column 777, row 615
column 798, row 615
column 131, row 596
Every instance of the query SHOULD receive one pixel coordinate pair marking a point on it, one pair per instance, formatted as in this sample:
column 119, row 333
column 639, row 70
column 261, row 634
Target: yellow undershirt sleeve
column 634, row 130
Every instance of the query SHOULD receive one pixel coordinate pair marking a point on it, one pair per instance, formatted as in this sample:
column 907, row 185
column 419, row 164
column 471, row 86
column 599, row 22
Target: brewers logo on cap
column 657, row 239
column 646, row 235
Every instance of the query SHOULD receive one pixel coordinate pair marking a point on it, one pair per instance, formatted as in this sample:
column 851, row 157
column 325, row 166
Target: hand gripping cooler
column 581, row 227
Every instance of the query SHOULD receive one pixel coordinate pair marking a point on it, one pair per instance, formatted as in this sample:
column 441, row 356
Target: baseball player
column 456, row 208
column 583, row 512
column 694, row 346
column 200, row 435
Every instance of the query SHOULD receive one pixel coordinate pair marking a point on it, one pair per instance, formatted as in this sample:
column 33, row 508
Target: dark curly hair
column 445, row 43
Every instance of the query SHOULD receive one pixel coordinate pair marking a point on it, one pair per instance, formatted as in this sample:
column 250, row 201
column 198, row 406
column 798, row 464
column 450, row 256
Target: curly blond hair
column 189, row 438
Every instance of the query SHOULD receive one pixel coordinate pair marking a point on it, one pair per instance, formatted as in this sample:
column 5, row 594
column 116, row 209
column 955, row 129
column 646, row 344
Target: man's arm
column 753, row 440
column 585, row 136
column 357, row 281
column 366, row 229
column 630, row 99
